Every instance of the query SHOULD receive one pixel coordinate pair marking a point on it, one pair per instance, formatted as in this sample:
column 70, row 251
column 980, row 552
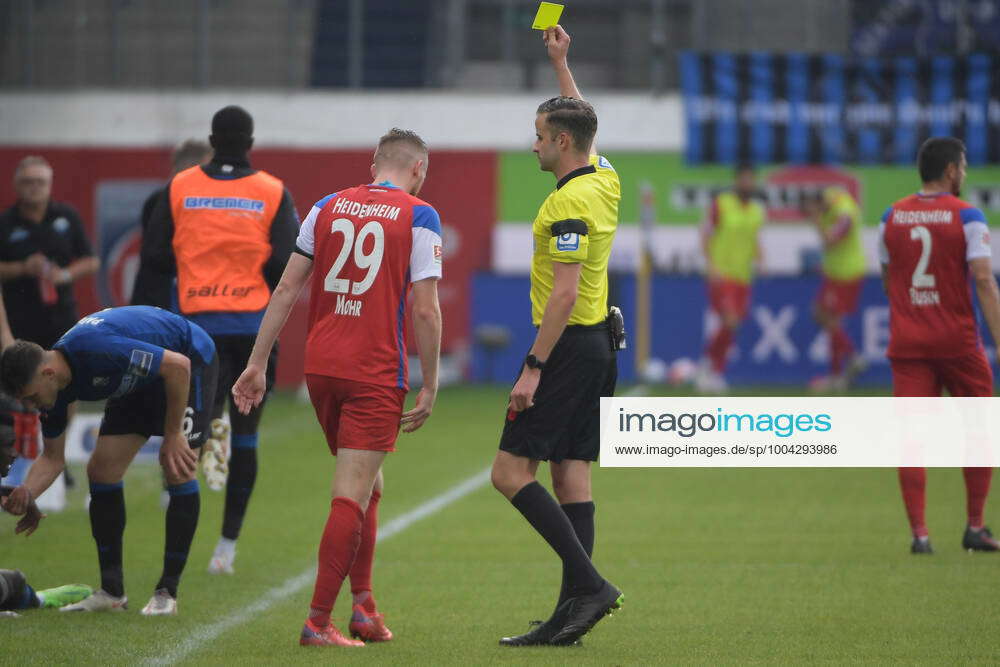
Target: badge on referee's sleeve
column 569, row 241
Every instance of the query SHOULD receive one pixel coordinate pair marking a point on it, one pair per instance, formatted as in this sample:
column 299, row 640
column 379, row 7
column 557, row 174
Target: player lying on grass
column 157, row 372
column 365, row 248
column 15, row 592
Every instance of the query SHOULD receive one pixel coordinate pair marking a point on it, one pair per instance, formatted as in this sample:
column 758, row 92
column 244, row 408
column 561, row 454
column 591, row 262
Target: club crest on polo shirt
column 61, row 225
column 568, row 242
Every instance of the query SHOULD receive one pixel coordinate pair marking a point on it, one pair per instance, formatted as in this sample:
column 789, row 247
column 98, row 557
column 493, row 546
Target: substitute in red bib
column 929, row 245
column 369, row 245
column 226, row 230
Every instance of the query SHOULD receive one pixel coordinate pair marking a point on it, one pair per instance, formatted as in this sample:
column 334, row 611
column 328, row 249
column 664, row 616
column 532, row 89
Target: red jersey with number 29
column 368, row 245
column 926, row 243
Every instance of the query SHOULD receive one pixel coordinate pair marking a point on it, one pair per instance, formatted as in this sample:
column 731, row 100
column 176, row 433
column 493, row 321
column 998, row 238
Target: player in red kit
column 365, row 247
column 930, row 243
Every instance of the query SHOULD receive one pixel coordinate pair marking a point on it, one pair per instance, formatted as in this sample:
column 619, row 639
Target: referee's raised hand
column 556, row 42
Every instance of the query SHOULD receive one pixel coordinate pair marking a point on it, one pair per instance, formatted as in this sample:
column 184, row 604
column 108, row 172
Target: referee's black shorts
column 565, row 421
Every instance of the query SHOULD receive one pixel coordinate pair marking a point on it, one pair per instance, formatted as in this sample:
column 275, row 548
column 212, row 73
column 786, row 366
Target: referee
column 554, row 407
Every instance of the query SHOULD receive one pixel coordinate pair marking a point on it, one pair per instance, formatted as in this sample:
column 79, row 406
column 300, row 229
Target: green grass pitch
column 718, row 566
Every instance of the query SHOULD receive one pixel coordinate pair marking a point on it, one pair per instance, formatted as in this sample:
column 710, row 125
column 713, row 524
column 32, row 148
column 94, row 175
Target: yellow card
column 547, row 16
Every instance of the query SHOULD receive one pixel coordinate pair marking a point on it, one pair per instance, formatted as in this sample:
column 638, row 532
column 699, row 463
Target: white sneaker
column 215, row 456
column 161, row 604
column 99, row 601
column 711, row 383
column 221, row 563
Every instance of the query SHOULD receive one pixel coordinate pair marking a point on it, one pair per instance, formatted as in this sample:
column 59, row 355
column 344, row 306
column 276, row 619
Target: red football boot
column 328, row 636
column 368, row 627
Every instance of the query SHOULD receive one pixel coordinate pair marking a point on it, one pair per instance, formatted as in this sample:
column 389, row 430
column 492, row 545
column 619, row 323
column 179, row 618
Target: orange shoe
column 328, row 636
column 369, row 627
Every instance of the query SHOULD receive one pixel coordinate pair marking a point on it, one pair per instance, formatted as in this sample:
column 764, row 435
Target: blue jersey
column 117, row 351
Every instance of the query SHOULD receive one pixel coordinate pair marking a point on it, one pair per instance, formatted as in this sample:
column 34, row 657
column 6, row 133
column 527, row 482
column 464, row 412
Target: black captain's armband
column 571, row 226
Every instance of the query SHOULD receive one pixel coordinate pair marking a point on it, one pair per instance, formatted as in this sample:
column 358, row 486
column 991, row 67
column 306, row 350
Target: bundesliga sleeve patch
column 140, row 362
column 569, row 241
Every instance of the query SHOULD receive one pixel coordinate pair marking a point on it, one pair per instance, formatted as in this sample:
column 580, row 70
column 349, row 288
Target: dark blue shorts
column 142, row 412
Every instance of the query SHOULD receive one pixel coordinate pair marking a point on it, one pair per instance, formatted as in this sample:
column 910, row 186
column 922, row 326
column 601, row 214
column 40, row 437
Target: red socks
column 718, row 348
column 841, row 349
column 977, row 487
column 337, row 551
column 913, row 482
column 361, row 571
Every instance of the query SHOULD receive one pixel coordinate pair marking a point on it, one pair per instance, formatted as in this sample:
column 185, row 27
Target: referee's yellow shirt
column 576, row 224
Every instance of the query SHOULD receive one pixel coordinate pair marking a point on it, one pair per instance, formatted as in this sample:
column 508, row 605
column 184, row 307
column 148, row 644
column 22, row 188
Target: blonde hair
column 190, row 153
column 400, row 147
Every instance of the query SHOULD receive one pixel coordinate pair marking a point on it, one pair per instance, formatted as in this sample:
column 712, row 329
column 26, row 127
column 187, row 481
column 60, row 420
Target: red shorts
column 356, row 415
column 961, row 376
column 729, row 297
column 839, row 297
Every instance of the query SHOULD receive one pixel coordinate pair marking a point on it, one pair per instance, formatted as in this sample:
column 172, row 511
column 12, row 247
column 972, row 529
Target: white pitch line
column 290, row 587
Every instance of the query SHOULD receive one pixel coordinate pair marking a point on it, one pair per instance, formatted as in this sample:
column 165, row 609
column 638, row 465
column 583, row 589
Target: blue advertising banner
column 779, row 343
column 827, row 109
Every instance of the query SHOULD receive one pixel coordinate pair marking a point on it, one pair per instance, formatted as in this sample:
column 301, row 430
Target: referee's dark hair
column 572, row 115
column 18, row 366
column 232, row 131
column 936, row 154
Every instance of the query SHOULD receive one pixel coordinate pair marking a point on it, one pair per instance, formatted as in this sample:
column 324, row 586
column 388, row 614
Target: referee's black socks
column 581, row 515
column 548, row 518
column 107, row 525
column 182, row 520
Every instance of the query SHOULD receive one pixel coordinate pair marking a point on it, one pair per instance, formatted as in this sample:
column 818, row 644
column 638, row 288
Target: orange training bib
column 222, row 238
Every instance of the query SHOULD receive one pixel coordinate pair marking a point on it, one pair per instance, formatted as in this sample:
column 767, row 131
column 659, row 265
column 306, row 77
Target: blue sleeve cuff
column 427, row 217
column 972, row 214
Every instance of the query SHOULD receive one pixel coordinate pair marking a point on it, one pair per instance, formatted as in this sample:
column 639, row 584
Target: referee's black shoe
column 541, row 632
column 585, row 611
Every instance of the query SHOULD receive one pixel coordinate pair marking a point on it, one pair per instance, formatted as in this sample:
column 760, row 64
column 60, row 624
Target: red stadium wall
column 461, row 185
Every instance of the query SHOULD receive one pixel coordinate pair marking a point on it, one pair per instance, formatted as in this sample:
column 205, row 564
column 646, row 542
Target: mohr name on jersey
column 347, row 306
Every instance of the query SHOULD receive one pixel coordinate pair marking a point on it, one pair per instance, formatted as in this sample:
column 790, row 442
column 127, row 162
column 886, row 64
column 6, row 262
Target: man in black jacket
column 226, row 230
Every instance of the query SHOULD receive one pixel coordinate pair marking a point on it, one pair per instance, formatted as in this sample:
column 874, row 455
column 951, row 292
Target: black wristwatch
column 532, row 362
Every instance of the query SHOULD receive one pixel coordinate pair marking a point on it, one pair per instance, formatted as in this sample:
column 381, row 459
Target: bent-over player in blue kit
column 157, row 372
